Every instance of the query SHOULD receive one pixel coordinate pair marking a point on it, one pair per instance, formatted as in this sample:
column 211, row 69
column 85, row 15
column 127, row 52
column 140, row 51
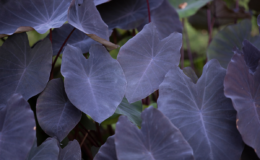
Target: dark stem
column 51, row 35
column 90, row 137
column 88, row 152
column 134, row 32
column 3, row 39
column 99, row 133
column 236, row 9
column 185, row 32
column 210, row 23
column 114, row 36
column 83, row 140
column 55, row 60
column 149, row 13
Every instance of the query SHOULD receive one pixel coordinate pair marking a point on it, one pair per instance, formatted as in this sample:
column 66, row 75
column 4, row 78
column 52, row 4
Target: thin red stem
column 51, row 35
column 149, row 12
column 55, row 60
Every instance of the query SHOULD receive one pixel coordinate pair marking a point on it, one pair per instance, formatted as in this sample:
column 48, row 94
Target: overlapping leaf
column 242, row 85
column 17, row 132
column 132, row 111
column 98, row 2
column 71, row 152
column 107, row 151
column 99, row 81
column 39, row 14
column 158, row 139
column 231, row 37
column 77, row 39
column 22, row 69
column 205, row 117
column 127, row 14
column 146, row 59
column 55, row 113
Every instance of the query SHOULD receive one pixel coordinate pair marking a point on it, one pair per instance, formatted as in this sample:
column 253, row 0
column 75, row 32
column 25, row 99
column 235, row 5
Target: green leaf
column 192, row 6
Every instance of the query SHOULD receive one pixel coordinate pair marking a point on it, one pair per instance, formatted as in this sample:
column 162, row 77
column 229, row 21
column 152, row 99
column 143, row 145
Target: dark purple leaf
column 146, row 59
column 39, row 14
column 77, row 39
column 188, row 71
column 258, row 21
column 251, row 54
column 107, row 151
column 98, row 2
column 231, row 37
column 56, row 115
column 17, row 132
column 96, row 86
column 126, row 14
column 48, row 150
column 22, row 69
column 243, row 88
column 158, row 139
column 205, row 117
column 71, row 152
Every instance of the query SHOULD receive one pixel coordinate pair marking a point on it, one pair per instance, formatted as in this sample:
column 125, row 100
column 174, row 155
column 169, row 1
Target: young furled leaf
column 243, row 87
column 84, row 16
column 17, row 132
column 107, row 151
column 71, row 152
column 205, row 117
column 38, row 14
column 22, row 69
column 48, row 150
column 158, row 139
column 96, row 86
column 146, row 59
column 77, row 39
column 55, row 113
column 228, row 39
column 126, row 14
column 251, row 55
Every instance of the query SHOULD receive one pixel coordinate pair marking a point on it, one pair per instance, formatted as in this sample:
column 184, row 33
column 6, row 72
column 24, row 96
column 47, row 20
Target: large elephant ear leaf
column 22, row 69
column 107, row 151
column 55, row 113
column 242, row 85
column 158, row 139
column 49, row 149
column 205, row 117
column 40, row 15
column 99, row 80
column 146, row 64
column 17, row 132
column 84, row 16
column 251, row 55
column 228, row 39
column 71, row 152
column 126, row 14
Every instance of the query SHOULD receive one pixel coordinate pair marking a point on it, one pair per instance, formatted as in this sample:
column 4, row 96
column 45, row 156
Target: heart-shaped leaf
column 38, row 14
column 205, row 117
column 77, row 39
column 107, row 151
column 84, row 16
column 243, row 86
column 228, row 39
column 49, row 149
column 17, row 132
column 126, row 14
column 55, row 113
column 132, row 111
column 158, row 139
column 22, row 69
column 71, row 152
column 146, row 59
column 99, row 80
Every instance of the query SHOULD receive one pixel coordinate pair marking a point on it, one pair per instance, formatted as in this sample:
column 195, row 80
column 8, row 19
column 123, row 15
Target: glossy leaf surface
column 71, row 152
column 38, row 14
column 146, row 64
column 49, row 149
column 99, row 80
column 132, row 111
column 17, row 132
column 243, row 88
column 126, row 14
column 228, row 39
column 158, row 139
column 77, row 39
column 205, row 117
column 107, row 151
column 22, row 69
column 55, row 113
